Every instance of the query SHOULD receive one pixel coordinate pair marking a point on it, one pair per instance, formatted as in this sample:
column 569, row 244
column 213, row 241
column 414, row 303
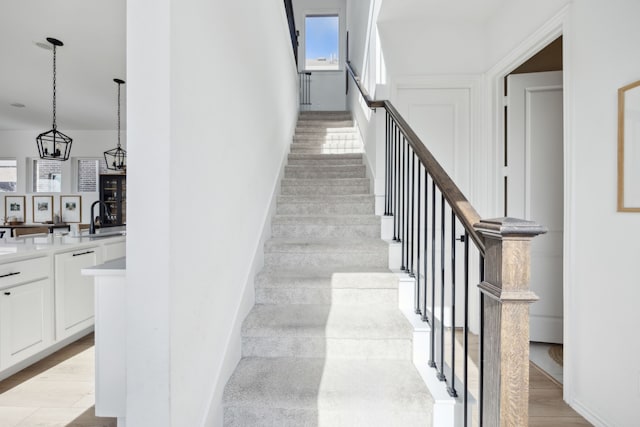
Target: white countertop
column 17, row 247
column 116, row 267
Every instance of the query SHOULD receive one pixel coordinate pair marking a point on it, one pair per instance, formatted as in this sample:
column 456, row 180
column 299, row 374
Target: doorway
column 533, row 181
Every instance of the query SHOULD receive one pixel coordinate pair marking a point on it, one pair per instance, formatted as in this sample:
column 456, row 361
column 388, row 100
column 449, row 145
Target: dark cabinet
column 113, row 192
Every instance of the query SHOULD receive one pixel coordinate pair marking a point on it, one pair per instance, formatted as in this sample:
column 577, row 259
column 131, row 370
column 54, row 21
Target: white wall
column 516, row 20
column 361, row 24
column 327, row 87
column 21, row 145
column 415, row 47
column 213, row 97
column 604, row 373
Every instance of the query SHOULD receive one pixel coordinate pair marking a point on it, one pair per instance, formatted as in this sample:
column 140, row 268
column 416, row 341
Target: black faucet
column 92, row 225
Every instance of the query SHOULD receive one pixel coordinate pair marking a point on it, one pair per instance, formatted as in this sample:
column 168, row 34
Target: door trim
column 556, row 26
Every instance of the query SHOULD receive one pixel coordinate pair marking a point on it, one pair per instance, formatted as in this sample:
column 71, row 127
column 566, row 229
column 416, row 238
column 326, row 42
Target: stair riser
column 327, row 150
column 323, row 131
column 325, row 231
column 314, row 136
column 380, row 297
column 336, row 281
column 325, row 168
column 310, row 190
column 325, row 162
column 335, row 348
column 338, row 122
column 270, row 417
column 291, row 260
column 323, row 174
column 324, row 141
column 320, row 208
column 323, row 157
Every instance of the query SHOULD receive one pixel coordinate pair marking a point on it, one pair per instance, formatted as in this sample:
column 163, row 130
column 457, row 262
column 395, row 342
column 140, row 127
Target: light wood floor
column 58, row 391
column 546, row 407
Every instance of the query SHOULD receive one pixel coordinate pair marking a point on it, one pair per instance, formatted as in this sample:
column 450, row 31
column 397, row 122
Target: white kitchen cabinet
column 74, row 292
column 26, row 320
column 111, row 251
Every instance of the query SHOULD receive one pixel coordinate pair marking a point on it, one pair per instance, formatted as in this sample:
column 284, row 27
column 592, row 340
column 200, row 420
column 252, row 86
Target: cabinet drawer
column 28, row 270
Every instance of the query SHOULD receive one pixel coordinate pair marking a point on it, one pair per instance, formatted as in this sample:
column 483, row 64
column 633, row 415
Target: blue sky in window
column 321, row 36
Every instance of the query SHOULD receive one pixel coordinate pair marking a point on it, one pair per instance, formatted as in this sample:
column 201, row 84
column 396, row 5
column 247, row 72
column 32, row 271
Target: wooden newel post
column 506, row 298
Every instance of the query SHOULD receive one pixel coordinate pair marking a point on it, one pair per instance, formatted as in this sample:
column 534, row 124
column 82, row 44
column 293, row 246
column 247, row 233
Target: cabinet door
column 112, row 251
column 74, row 292
column 26, row 325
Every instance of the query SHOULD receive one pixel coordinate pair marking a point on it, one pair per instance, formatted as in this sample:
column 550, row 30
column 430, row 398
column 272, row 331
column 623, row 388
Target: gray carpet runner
column 325, row 344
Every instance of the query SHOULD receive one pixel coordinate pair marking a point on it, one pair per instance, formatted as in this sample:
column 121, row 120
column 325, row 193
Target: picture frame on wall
column 629, row 148
column 70, row 208
column 14, row 209
column 42, row 209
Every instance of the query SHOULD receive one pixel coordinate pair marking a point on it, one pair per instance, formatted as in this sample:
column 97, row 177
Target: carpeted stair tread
column 337, row 198
column 325, row 245
column 327, row 219
column 327, row 384
column 372, row 322
column 350, row 277
column 325, row 226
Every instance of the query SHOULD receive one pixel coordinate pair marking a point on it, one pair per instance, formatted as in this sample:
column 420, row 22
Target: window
column 47, row 176
column 8, row 175
column 321, row 42
column 89, row 171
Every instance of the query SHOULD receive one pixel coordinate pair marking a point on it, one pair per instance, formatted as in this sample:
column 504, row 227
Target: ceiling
column 439, row 10
column 94, row 37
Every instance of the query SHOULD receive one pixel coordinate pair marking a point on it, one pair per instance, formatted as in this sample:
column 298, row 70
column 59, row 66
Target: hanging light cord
column 118, row 115
column 54, row 87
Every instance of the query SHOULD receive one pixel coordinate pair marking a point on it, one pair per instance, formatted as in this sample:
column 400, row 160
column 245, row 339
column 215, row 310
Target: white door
column 535, row 187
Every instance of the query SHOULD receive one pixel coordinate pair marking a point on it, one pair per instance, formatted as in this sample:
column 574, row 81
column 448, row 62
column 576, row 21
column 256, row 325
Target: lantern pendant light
column 117, row 158
column 52, row 144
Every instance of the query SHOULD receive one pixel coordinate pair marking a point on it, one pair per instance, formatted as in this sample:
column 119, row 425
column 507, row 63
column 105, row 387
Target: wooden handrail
column 293, row 32
column 462, row 208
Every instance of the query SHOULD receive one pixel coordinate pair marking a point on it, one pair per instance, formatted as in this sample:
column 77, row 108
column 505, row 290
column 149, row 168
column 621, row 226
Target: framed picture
column 70, row 208
column 629, row 148
column 42, row 209
column 14, row 207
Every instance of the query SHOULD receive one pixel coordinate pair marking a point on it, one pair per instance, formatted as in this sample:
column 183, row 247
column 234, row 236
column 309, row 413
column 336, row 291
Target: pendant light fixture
column 52, row 144
column 117, row 158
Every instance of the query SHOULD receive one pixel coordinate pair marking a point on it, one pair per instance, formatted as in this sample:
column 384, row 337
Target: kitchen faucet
column 92, row 225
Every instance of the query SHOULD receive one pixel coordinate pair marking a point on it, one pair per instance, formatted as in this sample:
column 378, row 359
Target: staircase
column 325, row 344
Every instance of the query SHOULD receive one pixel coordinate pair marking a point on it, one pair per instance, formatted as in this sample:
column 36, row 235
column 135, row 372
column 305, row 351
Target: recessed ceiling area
column 94, row 53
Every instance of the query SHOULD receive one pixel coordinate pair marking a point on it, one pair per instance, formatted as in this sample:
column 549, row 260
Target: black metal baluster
column 387, row 177
column 403, row 221
column 452, row 386
column 408, row 211
column 441, row 375
column 413, row 213
column 432, row 359
column 465, row 366
column 425, row 317
column 396, row 215
column 418, row 245
column 481, row 348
